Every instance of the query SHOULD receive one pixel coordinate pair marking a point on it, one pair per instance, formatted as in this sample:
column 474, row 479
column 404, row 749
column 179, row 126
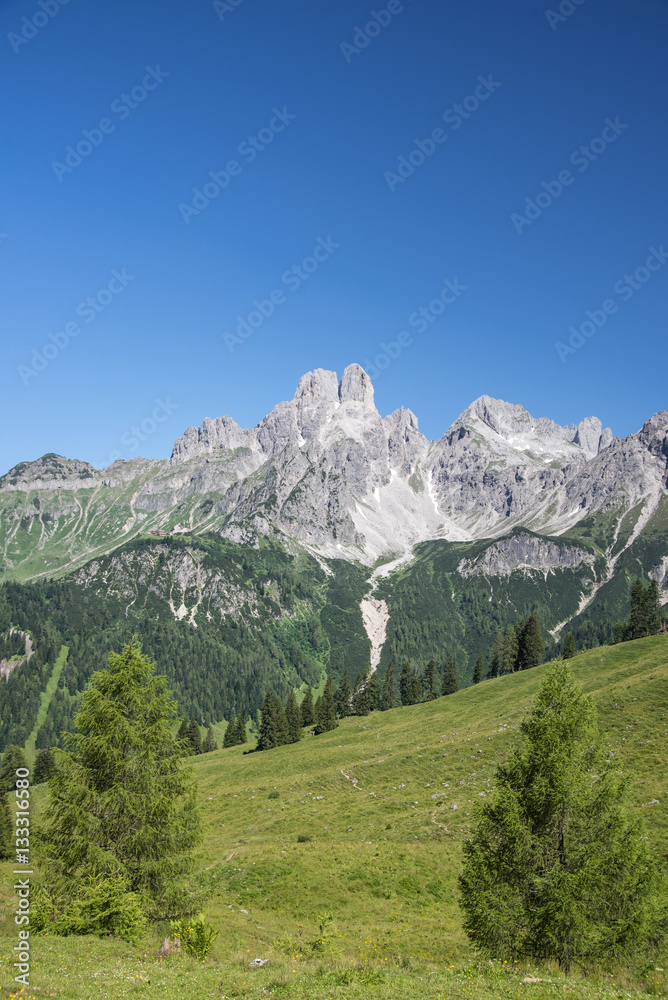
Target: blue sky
column 305, row 110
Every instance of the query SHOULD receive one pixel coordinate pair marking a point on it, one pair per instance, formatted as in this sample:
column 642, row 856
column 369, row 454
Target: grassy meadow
column 337, row 858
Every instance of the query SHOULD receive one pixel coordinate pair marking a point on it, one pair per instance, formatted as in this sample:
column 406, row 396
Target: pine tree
column 387, row 698
column 410, row 685
column 316, row 709
column 510, row 651
column 570, row 648
column 281, row 722
column 183, row 731
column 372, row 692
column 496, row 656
column 343, row 696
column 12, row 759
column 637, row 627
column 306, row 708
column 360, row 702
column 272, row 727
column 479, row 669
column 194, row 737
column 209, row 743
column 450, row 679
column 7, row 832
column 45, row 765
column 230, row 737
column 531, row 645
column 653, row 615
column 554, row 868
column 430, row 681
column 240, row 730
column 619, row 633
column 121, row 802
column 293, row 718
column 326, row 719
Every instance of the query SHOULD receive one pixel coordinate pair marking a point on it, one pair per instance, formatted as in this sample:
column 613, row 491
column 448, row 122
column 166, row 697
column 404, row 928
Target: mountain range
column 329, row 537
column 326, row 470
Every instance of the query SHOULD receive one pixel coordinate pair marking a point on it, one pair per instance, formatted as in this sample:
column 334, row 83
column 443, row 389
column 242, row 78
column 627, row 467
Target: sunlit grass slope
column 373, row 877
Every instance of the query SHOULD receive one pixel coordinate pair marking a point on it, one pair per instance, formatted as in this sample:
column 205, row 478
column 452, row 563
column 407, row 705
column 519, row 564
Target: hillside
column 378, row 874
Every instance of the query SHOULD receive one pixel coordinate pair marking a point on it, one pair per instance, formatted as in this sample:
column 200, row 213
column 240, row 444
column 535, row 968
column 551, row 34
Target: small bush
column 303, row 838
column 102, row 905
column 273, row 795
column 195, row 935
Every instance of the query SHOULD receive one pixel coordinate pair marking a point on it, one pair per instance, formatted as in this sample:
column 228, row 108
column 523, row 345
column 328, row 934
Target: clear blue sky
column 551, row 87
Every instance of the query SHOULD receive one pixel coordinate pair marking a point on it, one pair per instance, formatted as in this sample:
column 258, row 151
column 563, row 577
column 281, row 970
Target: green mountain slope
column 223, row 621
column 376, row 881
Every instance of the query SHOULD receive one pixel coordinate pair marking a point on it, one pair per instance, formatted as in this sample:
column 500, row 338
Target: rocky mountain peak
column 318, row 384
column 50, row 472
column 591, row 437
column 355, row 386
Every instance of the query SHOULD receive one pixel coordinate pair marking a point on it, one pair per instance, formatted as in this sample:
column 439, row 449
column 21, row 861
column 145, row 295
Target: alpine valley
column 327, row 537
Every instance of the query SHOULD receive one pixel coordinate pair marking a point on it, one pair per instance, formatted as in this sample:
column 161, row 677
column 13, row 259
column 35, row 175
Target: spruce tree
column 372, row 692
column 293, row 718
column 410, row 685
column 240, row 730
column 45, row 765
column 430, row 681
column 230, row 736
column 343, row 696
column 271, row 732
column 209, row 743
column 450, row 679
column 360, row 702
column 326, row 719
column 12, row 759
column 653, row 614
column 121, row 802
column 637, row 627
column 387, row 700
column 7, row 831
column 496, row 656
column 570, row 649
column 479, row 669
column 510, row 651
column 306, row 708
column 281, row 722
column 183, row 731
column 194, row 737
column 554, row 868
column 531, row 645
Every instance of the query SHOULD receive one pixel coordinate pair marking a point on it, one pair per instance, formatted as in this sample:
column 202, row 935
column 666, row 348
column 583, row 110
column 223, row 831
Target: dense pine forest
column 292, row 626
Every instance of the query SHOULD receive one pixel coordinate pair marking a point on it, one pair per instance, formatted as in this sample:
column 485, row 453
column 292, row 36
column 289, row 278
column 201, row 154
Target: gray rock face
column 525, row 551
column 356, row 386
column 326, row 469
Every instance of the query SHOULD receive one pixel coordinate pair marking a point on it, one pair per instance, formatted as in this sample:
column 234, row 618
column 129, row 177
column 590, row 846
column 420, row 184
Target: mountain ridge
column 326, row 470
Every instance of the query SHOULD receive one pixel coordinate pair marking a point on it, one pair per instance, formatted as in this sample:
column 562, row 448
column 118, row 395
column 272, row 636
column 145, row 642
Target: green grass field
column 367, row 905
